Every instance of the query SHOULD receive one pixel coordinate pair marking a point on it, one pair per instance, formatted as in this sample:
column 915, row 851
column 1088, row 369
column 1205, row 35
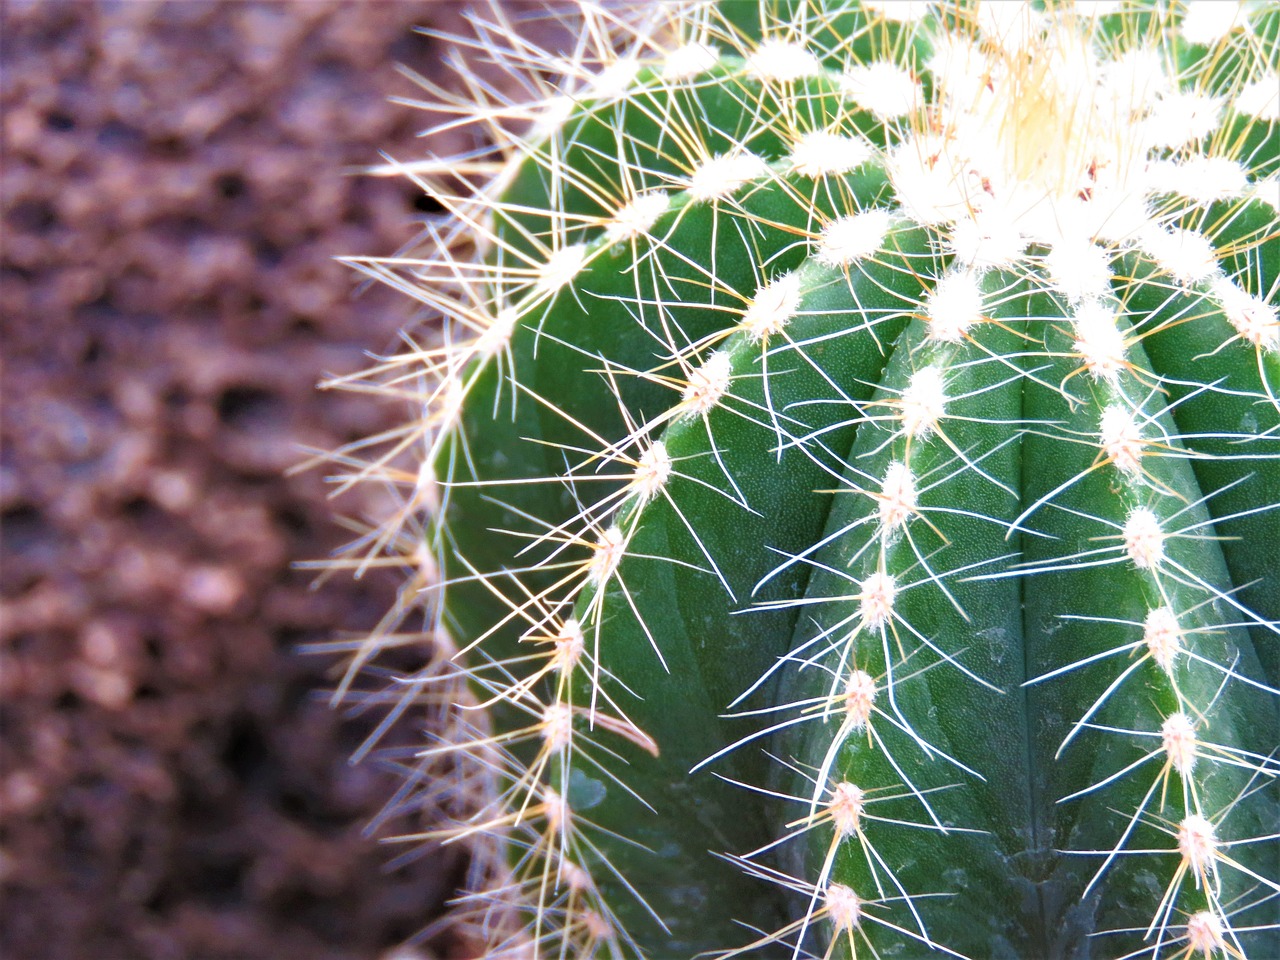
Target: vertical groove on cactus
column 849, row 477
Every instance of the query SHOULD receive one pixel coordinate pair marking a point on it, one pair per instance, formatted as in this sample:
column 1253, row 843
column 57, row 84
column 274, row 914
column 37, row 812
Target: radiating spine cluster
column 847, row 482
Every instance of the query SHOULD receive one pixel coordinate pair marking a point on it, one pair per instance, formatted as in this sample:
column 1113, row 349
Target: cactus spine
column 848, row 478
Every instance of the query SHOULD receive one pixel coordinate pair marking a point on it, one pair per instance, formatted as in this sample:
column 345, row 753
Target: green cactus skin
column 850, row 477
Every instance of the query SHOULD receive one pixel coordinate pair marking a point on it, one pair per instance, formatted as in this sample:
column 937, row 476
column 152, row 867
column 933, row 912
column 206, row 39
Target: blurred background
column 176, row 180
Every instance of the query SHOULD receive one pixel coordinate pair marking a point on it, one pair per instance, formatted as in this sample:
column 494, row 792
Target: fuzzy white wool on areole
column 449, row 400
column 898, row 497
column 1132, row 83
column 1079, row 269
column 1266, row 191
column 1162, row 637
column 853, row 237
column 1121, row 438
column 1144, row 539
column 1185, row 255
column 1198, row 843
column 1261, row 98
column 822, row 153
column 637, row 216
column 1202, row 180
column 985, row 242
column 782, row 61
column 1209, row 21
column 772, row 308
column 879, row 591
column 1205, row 934
column 1178, row 739
column 954, row 306
column 653, row 470
column 923, row 402
column 707, row 385
column 720, row 176
column 1254, row 320
column 607, row 554
column 552, row 115
column 497, row 334
column 884, row 88
column 615, row 79
column 561, row 267
column 930, row 189
column 1098, row 340
column 570, row 643
column 847, row 805
column 844, row 908
column 557, row 726
column 859, row 698
column 899, row 11
column 1178, row 118
column 688, row 60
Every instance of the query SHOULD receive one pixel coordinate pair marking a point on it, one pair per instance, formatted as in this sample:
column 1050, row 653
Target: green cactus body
column 852, row 468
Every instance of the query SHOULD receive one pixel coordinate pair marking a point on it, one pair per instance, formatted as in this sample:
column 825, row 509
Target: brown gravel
column 173, row 193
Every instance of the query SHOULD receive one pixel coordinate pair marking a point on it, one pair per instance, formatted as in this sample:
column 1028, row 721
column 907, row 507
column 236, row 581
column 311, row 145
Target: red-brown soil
column 175, row 184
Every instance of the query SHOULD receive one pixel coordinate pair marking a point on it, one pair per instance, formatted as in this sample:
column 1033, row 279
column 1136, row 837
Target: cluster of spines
column 483, row 300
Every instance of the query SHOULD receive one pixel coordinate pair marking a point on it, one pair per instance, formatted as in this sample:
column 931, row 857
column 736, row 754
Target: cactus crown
column 847, row 477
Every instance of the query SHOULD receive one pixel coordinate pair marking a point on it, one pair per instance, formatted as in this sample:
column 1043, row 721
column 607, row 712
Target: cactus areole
column 850, row 476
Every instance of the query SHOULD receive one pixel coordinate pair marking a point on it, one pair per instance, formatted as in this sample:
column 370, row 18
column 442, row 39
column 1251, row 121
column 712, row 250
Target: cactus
column 847, row 481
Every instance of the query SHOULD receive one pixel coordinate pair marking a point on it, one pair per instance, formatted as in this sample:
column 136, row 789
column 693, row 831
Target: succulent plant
column 847, row 480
